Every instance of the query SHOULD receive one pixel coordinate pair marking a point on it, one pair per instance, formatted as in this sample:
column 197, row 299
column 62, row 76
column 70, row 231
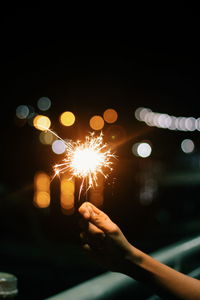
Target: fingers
column 96, row 217
column 92, row 242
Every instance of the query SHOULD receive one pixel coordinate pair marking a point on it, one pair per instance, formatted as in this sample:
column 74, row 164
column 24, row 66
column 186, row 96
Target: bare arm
column 104, row 240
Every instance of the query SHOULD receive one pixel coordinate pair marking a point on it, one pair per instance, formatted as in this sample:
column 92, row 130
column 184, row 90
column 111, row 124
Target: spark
column 86, row 159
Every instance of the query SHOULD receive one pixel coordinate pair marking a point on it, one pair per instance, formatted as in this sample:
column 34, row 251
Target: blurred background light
column 110, row 115
column 46, row 137
column 58, row 147
column 22, row 111
column 97, row 122
column 187, row 146
column 41, row 122
column 67, row 189
column 141, row 112
column 67, row 118
column 134, row 149
column 41, row 190
column 165, row 121
column 44, row 103
column 42, row 199
column 142, row 149
column 190, row 124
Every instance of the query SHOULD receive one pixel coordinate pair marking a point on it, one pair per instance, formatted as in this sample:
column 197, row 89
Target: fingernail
column 90, row 210
column 86, row 214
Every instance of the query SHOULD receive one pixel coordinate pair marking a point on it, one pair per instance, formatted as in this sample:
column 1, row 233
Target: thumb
column 97, row 217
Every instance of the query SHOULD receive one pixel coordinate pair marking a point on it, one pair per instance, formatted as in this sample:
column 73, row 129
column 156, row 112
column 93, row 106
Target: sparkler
column 85, row 160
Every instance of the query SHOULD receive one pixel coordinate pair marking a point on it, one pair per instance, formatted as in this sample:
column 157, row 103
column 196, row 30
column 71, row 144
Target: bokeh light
column 46, row 137
column 41, row 190
column 42, row 199
column 97, row 122
column 187, row 146
column 110, row 115
column 22, row 111
column 58, row 147
column 41, row 122
column 67, row 189
column 161, row 120
column 67, row 118
column 44, row 103
column 142, row 149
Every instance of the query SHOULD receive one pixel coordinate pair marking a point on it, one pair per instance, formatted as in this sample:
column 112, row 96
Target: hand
column 102, row 238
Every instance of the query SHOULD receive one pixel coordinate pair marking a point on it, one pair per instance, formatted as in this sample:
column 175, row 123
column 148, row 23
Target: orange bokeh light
column 41, row 190
column 42, row 199
column 67, row 189
column 110, row 115
column 97, row 122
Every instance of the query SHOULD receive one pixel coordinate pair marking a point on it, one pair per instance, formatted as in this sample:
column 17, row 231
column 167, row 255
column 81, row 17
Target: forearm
column 163, row 278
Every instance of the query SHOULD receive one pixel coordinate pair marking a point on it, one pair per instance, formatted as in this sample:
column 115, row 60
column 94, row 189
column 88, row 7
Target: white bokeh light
column 144, row 150
column 22, row 111
column 58, row 147
column 44, row 103
column 187, row 146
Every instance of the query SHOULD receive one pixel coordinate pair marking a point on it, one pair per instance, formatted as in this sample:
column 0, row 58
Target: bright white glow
column 86, row 160
column 144, row 150
column 187, row 146
column 22, row 111
column 58, row 147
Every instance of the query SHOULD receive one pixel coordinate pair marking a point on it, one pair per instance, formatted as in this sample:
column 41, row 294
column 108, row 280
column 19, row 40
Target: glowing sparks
column 86, row 159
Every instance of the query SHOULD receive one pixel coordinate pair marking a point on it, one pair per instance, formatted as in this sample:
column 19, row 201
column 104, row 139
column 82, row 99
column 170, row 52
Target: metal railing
column 112, row 285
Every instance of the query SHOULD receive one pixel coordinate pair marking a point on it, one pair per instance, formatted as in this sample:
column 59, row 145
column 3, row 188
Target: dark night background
column 45, row 53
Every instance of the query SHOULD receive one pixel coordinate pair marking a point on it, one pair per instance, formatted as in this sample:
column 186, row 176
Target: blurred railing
column 182, row 256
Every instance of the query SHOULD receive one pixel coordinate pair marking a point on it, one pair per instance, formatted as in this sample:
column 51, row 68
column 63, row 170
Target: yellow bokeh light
column 97, row 122
column 110, row 115
column 67, row 118
column 41, row 122
column 67, row 186
column 42, row 199
column 67, row 189
column 46, row 137
column 41, row 190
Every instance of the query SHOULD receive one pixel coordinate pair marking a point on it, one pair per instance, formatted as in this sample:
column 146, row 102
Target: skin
column 106, row 243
